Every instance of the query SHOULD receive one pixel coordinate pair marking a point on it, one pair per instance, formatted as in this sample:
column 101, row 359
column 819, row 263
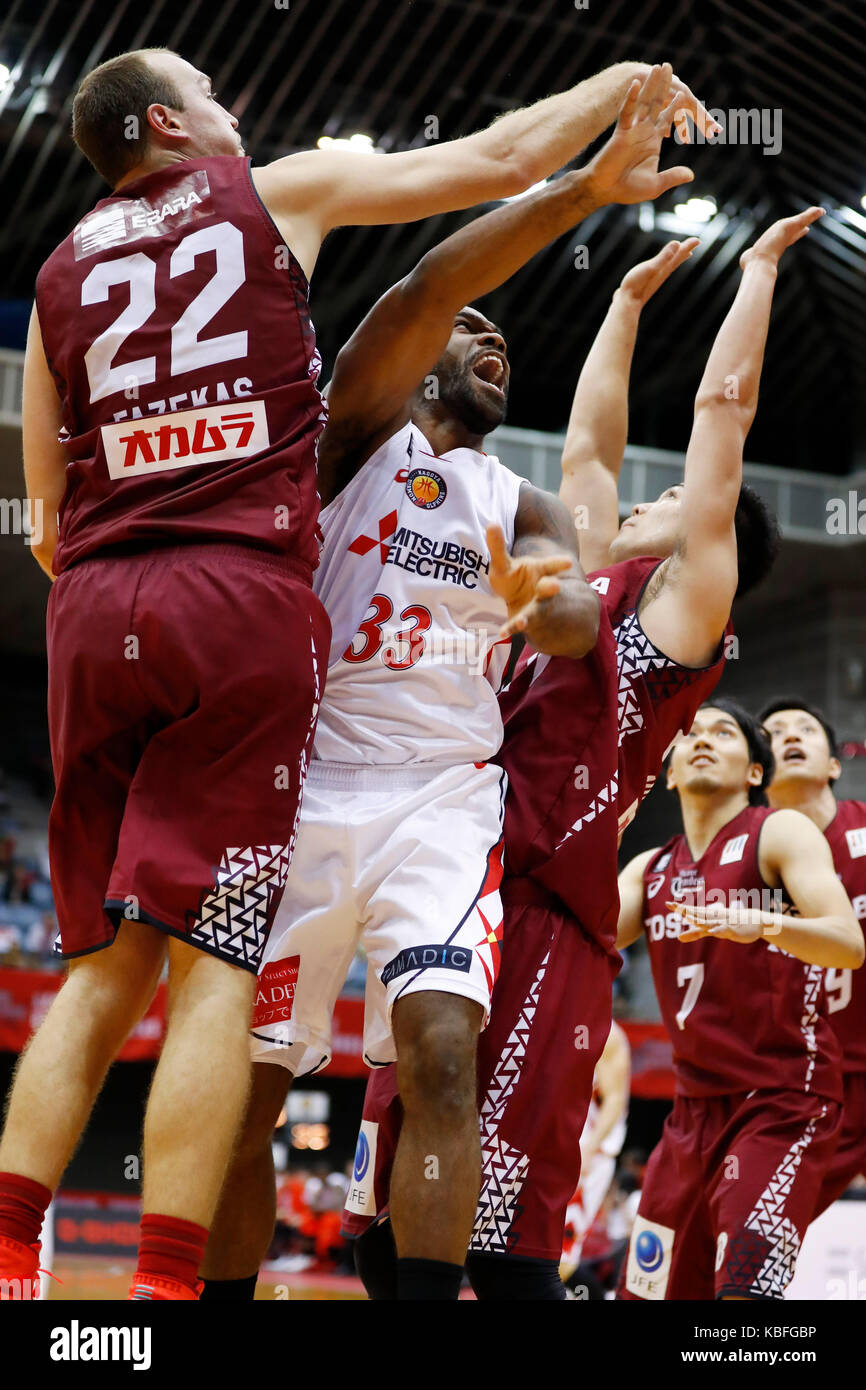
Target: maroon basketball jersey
column 657, row 698
column 584, row 742
column 846, row 989
column 559, row 750
column 740, row 1017
column 177, row 328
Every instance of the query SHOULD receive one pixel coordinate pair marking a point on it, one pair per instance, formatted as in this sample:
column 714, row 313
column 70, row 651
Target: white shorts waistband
column 376, row 778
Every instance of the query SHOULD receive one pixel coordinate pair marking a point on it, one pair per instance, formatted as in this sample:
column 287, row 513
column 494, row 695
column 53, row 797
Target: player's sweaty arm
column 406, row 332
column 630, row 923
column 612, row 1075
column 598, row 425
column 792, row 851
column 688, row 604
column 45, row 458
column 308, row 194
column 541, row 581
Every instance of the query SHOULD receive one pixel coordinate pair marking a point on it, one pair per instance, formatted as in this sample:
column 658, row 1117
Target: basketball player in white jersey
column 400, row 844
column 600, row 1144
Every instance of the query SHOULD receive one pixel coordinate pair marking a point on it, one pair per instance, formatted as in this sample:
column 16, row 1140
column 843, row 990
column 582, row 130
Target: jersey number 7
column 693, row 976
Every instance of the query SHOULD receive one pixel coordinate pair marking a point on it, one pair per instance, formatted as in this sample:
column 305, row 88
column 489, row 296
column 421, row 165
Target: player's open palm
column 522, row 581
column 641, row 282
column 626, row 169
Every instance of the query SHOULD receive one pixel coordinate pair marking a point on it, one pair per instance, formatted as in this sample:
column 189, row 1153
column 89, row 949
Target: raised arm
column 406, row 331
column 630, row 924
column 308, row 194
column 598, row 426
column 793, row 852
column 45, row 458
column 688, row 607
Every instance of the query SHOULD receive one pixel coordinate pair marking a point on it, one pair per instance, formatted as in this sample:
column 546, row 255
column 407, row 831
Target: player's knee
column 437, row 1067
column 118, row 983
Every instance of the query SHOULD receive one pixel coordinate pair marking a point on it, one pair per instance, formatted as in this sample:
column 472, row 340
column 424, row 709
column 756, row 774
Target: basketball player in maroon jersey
column 179, row 297
column 731, row 1186
column 807, row 767
column 423, row 324
column 668, row 659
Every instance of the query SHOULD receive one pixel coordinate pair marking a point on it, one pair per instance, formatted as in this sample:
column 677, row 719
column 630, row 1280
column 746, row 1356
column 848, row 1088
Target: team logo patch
column 733, row 850
column 856, row 842
column 649, row 1259
column 428, row 958
column 361, row 1196
column 426, row 489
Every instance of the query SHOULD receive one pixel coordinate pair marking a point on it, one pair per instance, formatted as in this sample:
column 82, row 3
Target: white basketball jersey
column 612, row 1144
column 416, row 658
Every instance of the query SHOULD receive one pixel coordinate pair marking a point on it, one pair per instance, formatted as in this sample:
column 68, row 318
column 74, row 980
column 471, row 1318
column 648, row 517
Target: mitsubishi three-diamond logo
column 362, row 545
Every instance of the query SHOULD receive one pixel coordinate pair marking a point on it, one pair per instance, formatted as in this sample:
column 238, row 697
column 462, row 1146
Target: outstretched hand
column 522, row 581
column 776, row 239
column 641, row 282
column 626, row 169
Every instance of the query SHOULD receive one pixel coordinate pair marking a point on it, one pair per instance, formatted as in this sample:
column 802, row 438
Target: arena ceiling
column 295, row 70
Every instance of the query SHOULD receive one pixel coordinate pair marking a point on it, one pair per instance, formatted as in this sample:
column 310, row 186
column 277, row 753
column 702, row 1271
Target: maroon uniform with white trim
column 846, row 997
column 576, row 734
column 177, row 329
column 186, row 648
column 758, row 1087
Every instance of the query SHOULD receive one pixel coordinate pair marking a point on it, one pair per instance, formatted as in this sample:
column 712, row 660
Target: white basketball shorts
column 405, row 862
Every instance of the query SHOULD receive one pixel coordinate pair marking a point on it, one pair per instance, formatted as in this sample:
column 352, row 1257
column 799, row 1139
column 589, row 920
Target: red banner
column 652, row 1074
column 25, row 997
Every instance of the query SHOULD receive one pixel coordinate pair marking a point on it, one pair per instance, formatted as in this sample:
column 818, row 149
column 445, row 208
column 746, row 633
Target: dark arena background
column 382, row 76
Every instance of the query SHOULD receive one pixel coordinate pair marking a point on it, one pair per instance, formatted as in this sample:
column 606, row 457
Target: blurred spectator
column 309, row 1208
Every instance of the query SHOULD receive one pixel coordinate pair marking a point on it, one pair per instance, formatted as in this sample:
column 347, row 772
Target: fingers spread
column 499, row 557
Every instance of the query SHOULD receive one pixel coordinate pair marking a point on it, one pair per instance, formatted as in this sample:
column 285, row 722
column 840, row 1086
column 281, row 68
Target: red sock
column 23, row 1203
column 172, row 1248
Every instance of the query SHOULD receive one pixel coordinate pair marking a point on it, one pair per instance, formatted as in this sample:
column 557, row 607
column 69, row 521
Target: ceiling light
column 697, row 210
column 365, row 144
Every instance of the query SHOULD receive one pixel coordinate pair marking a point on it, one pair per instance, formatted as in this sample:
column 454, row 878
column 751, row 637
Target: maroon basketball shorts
column 182, row 700
column 728, row 1193
column 849, row 1160
column 549, row 1020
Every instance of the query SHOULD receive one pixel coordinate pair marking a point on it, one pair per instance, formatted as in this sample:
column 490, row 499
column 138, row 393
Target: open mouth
column 702, row 760
column 793, row 755
column 490, row 368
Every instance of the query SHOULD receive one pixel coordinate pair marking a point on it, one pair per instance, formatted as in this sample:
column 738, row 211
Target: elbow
column 513, row 170
column 584, row 628
column 733, row 396
column 858, row 949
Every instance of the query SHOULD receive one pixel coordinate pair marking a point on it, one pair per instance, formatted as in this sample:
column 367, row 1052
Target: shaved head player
column 170, row 420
